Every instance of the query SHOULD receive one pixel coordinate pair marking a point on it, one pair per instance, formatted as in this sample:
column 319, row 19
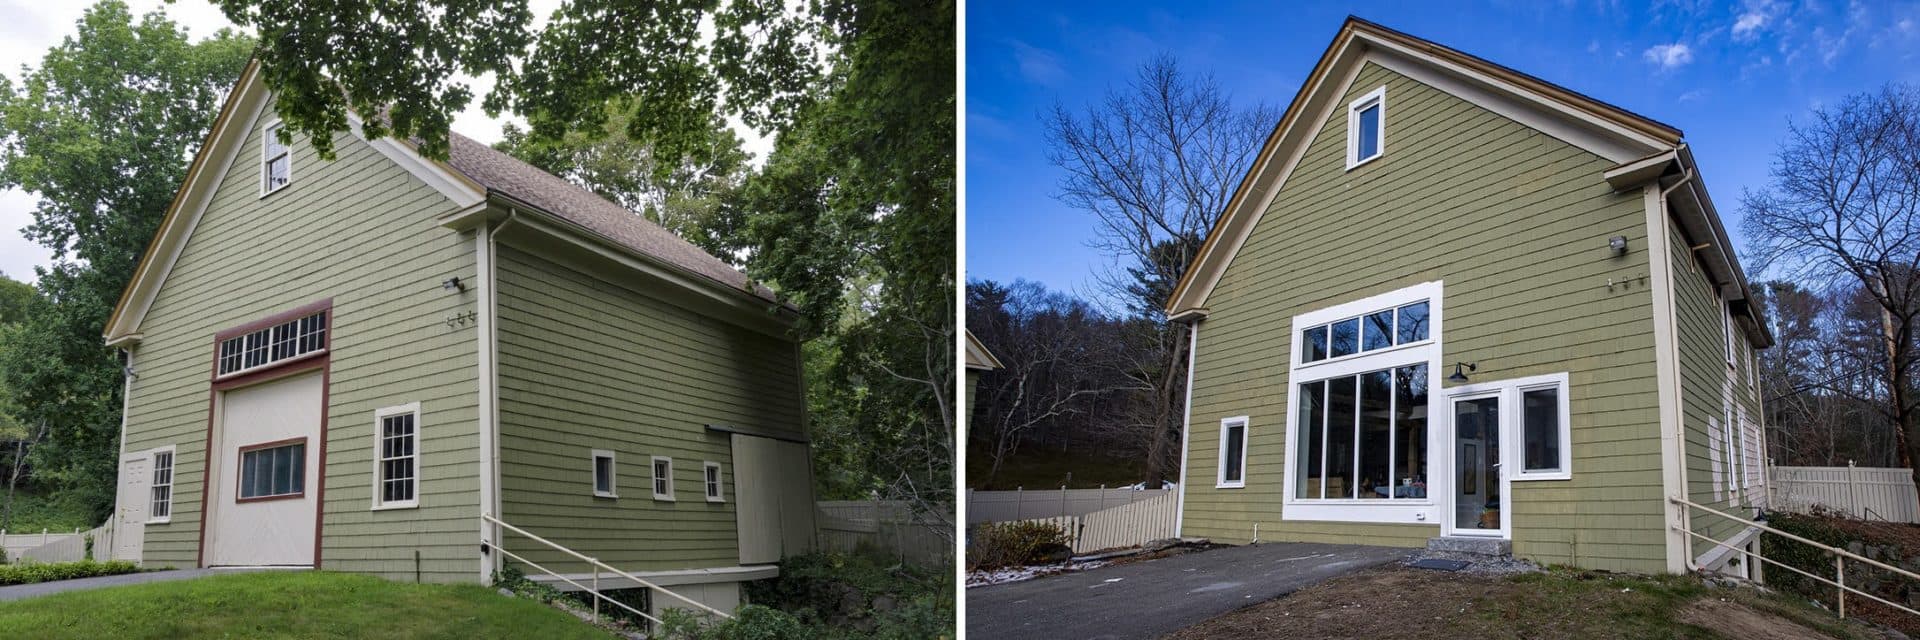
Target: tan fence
column 1128, row 525
column 887, row 527
column 1867, row 493
column 1021, row 504
column 51, row 546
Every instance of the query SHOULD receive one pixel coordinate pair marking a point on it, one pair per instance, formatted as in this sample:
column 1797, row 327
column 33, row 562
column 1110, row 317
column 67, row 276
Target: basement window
column 273, row 471
column 276, row 161
column 397, row 467
column 604, row 474
column 1366, row 127
column 161, row 508
column 711, row 471
column 663, row 478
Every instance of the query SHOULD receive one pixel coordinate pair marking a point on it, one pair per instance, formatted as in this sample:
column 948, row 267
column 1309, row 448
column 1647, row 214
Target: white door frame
column 1452, row 439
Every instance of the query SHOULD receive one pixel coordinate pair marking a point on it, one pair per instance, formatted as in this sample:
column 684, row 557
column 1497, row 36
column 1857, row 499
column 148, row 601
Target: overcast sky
column 29, row 28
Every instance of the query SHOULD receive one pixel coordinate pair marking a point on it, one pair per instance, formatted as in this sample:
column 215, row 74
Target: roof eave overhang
column 1676, row 173
column 979, row 358
column 1627, row 135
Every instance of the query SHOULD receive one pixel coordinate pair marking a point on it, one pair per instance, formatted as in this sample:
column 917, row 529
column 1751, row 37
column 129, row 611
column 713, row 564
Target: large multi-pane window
column 275, row 470
column 1402, row 325
column 397, row 465
column 275, row 344
column 161, row 507
column 1363, row 436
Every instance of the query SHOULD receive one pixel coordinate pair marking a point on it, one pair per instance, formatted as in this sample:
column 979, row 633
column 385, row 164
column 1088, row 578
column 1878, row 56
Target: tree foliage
column 101, row 133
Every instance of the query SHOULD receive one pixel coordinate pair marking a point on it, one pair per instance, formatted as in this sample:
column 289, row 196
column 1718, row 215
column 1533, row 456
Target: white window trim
column 1726, row 333
column 653, row 480
column 719, row 489
column 613, row 473
column 1518, row 429
column 1220, row 470
column 174, row 454
column 379, row 419
column 1406, row 511
column 1376, row 96
column 266, row 189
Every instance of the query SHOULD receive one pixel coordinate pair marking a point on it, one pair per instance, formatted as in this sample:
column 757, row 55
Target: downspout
column 119, row 464
column 488, row 384
column 1673, row 437
column 1186, row 429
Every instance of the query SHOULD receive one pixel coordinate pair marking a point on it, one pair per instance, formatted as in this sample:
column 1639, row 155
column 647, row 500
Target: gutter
column 487, row 383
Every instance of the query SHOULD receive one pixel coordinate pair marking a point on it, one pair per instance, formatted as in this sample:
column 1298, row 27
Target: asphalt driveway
column 22, row 591
column 1151, row 598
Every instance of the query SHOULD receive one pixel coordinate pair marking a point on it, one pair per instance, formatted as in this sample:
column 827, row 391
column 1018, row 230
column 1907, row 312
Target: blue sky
column 1729, row 74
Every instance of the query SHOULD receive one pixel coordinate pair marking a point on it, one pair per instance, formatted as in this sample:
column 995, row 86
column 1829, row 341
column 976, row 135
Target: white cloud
column 1037, row 65
column 1748, row 23
column 1669, row 56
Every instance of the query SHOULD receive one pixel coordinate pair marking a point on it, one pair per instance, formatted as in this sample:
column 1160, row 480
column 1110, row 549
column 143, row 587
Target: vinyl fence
column 1867, row 493
column 884, row 526
column 1021, row 504
column 1128, row 525
column 48, row 546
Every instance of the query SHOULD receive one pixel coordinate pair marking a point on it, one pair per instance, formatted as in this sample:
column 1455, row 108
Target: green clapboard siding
column 587, row 364
column 1515, row 223
column 1705, row 384
column 360, row 230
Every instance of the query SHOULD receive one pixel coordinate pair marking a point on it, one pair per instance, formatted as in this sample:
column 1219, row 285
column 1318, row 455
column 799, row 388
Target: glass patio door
column 1477, row 496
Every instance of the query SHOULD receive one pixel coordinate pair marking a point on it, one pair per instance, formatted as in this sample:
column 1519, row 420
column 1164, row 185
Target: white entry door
column 267, row 474
column 130, row 506
column 1479, row 490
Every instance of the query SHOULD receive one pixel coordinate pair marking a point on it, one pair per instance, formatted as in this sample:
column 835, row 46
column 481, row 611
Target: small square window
column 1545, row 448
column 1412, row 323
column 605, row 474
column 662, row 478
column 1366, row 125
column 715, row 493
column 1315, row 344
column 1346, row 337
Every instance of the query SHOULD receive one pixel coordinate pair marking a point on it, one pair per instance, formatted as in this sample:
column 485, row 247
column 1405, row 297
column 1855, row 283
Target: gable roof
column 1606, row 130
column 472, row 175
column 978, row 357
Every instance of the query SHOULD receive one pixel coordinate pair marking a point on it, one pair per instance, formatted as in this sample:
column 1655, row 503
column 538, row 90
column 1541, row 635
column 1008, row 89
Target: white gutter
column 1673, row 441
column 488, row 385
column 1186, row 429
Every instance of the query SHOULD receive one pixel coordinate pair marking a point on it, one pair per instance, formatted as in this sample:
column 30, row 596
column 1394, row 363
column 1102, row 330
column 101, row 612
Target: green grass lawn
column 306, row 604
column 1036, row 468
column 34, row 510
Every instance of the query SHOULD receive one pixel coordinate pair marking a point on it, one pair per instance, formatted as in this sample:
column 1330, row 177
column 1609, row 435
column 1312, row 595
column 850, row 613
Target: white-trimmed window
column 1727, row 332
column 1233, row 453
column 273, row 345
column 160, row 507
column 710, row 471
column 605, row 474
column 396, row 466
column 276, row 161
column 1357, row 423
column 1546, row 444
column 1367, row 127
column 273, row 470
column 663, row 478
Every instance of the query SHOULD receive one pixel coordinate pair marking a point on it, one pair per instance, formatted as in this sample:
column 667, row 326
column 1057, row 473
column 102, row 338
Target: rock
column 1051, row 554
column 883, row 603
column 1161, row 544
column 506, row 592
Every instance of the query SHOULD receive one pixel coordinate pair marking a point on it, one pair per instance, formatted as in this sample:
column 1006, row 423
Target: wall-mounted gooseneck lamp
column 1459, row 376
column 1618, row 245
column 453, row 284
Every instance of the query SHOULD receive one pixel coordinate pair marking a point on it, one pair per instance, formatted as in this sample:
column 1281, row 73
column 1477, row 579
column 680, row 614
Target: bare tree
column 1155, row 163
column 1841, row 213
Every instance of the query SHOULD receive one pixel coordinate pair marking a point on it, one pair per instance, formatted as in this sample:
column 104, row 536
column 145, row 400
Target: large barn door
column 773, row 493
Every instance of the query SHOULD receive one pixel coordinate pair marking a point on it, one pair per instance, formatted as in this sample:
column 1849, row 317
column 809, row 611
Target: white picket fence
column 47, row 546
column 1128, row 525
column 1867, row 493
column 1021, row 504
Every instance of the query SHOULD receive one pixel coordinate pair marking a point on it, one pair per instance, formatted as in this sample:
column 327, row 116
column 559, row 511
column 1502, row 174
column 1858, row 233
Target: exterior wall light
column 1618, row 244
column 1458, row 376
column 453, row 284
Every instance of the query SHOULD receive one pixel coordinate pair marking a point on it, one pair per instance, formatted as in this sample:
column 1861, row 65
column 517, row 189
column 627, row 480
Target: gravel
column 1477, row 564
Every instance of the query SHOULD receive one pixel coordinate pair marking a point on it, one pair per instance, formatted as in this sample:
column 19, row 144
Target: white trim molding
column 655, row 478
column 1221, row 481
column 613, row 474
column 1375, row 99
column 268, row 138
column 380, row 458
column 713, row 486
column 153, row 470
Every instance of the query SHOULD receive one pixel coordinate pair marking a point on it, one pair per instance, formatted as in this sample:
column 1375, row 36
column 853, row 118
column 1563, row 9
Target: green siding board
column 360, row 230
column 590, row 364
column 1515, row 223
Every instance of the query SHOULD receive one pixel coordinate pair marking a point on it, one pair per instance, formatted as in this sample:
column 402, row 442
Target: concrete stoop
column 1492, row 547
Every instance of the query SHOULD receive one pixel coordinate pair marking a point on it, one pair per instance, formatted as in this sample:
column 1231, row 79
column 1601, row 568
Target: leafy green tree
column 101, row 133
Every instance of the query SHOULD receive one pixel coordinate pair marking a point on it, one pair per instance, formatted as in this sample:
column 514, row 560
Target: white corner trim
column 613, row 473
column 1186, row 430
column 379, row 417
column 653, row 479
column 1220, row 468
column 1376, row 97
column 1673, row 470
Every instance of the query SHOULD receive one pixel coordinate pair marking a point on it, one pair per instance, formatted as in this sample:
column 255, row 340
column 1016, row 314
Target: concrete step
column 1471, row 545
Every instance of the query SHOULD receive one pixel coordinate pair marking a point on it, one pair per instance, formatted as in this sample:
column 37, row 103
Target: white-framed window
column 276, row 161
column 663, row 478
column 605, row 474
column 160, row 506
column 1545, row 432
column 396, row 460
column 1367, row 128
column 273, row 470
column 1727, row 333
column 272, row 345
column 1357, row 416
column 1233, row 454
column 710, row 472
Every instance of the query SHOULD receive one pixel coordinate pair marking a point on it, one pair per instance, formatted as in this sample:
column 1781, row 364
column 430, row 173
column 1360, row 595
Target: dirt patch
column 1401, row 602
column 1736, row 620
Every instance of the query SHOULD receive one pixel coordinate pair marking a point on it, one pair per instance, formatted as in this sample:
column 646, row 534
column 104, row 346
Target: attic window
column 276, row 161
column 1366, row 127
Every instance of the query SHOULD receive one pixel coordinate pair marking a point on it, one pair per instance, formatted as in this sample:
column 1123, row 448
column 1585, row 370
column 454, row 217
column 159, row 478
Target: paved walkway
column 1155, row 597
column 19, row 591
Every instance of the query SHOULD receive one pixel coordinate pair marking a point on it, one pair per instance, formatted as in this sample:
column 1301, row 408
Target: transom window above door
column 1373, row 331
column 272, row 345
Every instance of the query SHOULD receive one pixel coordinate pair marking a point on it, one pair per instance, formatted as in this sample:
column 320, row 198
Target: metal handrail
column 597, row 596
column 597, row 564
column 1839, row 556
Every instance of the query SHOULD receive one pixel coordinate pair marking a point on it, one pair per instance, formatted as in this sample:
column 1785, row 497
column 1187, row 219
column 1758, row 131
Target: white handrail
column 597, row 596
column 489, row 518
column 1838, row 554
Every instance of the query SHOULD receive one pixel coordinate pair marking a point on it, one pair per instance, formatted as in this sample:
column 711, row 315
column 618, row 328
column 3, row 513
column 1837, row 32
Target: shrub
column 30, row 573
column 836, row 595
column 1010, row 544
column 750, row 622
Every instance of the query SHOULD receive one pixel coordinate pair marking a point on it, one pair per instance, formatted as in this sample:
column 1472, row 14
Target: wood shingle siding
column 587, row 364
column 361, row 231
column 1515, row 223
